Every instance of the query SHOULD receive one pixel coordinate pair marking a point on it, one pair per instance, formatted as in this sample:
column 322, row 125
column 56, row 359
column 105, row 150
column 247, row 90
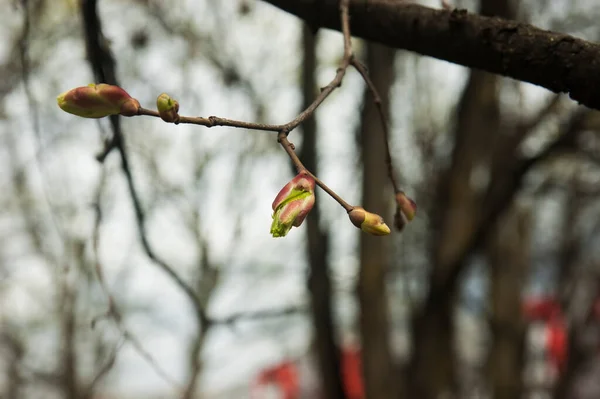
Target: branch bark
column 556, row 61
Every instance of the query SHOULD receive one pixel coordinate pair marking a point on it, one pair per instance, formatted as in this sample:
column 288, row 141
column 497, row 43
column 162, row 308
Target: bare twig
column 336, row 82
column 362, row 69
column 261, row 314
column 113, row 310
column 103, row 66
column 289, row 149
column 104, row 369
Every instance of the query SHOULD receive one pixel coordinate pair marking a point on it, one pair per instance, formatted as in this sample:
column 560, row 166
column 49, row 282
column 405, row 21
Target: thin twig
column 104, row 369
column 261, row 314
column 103, row 66
column 113, row 310
column 289, row 149
column 212, row 121
column 362, row 69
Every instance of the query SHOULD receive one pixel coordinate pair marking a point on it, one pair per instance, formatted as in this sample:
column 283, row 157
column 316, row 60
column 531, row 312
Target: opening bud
column 368, row 222
column 292, row 204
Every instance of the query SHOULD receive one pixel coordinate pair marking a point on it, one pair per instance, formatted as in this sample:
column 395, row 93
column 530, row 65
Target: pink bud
column 98, row 101
column 292, row 204
column 406, row 205
column 368, row 222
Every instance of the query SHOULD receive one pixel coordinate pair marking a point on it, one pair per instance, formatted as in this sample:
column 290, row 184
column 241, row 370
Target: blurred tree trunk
column 570, row 271
column 377, row 359
column 457, row 219
column 14, row 381
column 319, row 282
column 508, row 254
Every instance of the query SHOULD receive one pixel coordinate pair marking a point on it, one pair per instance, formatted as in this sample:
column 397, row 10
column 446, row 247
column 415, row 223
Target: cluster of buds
column 98, row 101
column 294, row 201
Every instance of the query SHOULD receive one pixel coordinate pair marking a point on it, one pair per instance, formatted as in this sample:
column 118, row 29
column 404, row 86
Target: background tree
column 135, row 251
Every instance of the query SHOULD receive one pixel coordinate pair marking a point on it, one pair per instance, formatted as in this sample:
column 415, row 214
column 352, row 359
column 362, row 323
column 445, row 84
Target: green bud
column 368, row 222
column 167, row 108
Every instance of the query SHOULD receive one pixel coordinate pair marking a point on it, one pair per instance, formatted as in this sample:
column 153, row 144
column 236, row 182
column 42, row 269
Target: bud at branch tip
column 98, row 101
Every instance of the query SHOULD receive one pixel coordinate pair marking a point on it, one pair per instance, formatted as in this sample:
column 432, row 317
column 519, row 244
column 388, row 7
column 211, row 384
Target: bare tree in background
column 374, row 325
column 317, row 244
column 499, row 152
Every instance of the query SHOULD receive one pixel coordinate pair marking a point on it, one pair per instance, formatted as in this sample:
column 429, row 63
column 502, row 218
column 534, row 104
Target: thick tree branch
column 558, row 62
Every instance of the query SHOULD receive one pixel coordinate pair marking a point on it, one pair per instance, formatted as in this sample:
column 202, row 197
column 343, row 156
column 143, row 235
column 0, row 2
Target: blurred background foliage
column 492, row 291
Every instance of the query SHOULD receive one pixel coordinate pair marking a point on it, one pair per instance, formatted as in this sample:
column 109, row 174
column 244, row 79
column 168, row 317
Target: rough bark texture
column 374, row 252
column 508, row 253
column 319, row 282
column 556, row 61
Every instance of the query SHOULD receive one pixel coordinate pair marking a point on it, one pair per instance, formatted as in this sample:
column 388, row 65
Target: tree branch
column 102, row 64
column 558, row 62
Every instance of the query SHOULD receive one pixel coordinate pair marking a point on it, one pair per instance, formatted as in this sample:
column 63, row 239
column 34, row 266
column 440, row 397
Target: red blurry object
column 548, row 310
column 284, row 376
column 541, row 308
column 352, row 373
column 557, row 342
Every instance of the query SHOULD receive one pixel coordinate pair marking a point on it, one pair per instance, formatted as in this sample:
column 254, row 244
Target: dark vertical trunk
column 14, row 381
column 457, row 220
column 569, row 272
column 319, row 282
column 508, row 255
column 377, row 359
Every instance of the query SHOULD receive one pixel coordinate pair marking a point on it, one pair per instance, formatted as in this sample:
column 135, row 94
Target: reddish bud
column 292, row 204
column 98, row 101
column 406, row 205
column 406, row 210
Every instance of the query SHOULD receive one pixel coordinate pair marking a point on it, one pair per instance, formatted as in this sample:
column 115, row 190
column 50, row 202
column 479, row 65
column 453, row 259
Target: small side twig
column 113, row 311
column 102, row 64
column 289, row 149
column 260, row 314
column 362, row 69
column 336, row 82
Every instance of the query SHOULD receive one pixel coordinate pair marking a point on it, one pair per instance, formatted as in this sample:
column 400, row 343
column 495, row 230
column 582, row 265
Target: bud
column 407, row 206
column 292, row 204
column 98, row 101
column 167, row 108
column 405, row 210
column 368, row 222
